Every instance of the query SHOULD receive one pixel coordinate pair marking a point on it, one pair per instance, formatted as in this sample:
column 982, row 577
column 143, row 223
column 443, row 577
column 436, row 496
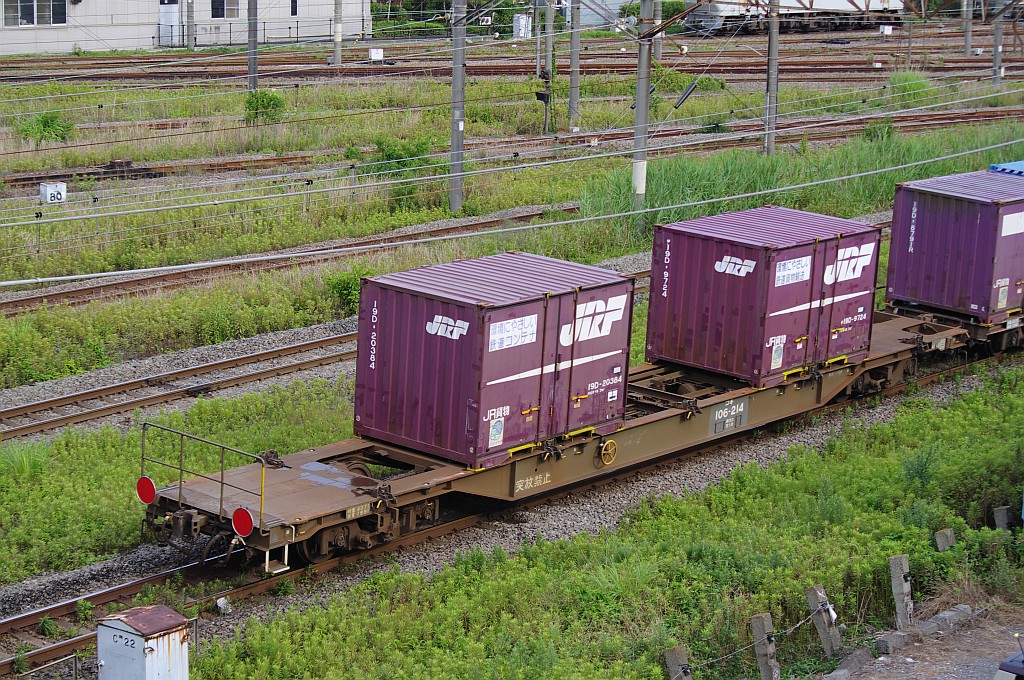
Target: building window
column 295, row 8
column 35, row 12
column 224, row 9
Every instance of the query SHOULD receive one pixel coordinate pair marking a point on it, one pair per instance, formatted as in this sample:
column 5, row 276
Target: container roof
column 501, row 279
column 981, row 186
column 1016, row 168
column 770, row 227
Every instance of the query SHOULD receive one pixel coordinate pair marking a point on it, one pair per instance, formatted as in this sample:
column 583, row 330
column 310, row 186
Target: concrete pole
column 966, row 12
column 771, row 98
column 643, row 102
column 537, row 31
column 254, row 78
column 899, row 576
column 656, row 55
column 821, row 615
column 339, row 20
column 458, row 103
column 190, row 24
column 574, row 65
column 549, row 38
column 997, row 46
column 910, row 42
column 764, row 646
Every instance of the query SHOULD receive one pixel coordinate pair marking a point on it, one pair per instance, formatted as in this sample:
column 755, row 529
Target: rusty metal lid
column 149, row 620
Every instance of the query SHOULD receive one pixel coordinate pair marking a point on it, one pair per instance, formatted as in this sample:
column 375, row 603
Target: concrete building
column 61, row 26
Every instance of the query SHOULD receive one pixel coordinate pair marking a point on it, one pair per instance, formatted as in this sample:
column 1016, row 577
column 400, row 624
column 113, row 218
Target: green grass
column 59, row 342
column 689, row 569
column 73, row 503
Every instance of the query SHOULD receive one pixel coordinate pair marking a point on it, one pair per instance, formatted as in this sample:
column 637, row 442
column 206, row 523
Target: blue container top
column 1016, row 168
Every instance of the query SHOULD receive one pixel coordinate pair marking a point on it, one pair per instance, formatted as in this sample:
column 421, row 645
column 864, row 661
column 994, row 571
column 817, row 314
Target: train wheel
column 308, row 551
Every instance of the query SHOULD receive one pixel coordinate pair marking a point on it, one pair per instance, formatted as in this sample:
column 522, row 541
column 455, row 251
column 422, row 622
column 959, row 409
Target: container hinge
column 815, row 374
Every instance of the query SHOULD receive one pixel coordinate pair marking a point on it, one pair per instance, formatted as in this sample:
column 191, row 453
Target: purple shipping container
column 470, row 359
column 762, row 294
column 958, row 245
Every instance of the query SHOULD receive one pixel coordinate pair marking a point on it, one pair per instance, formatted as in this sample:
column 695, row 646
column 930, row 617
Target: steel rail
column 177, row 393
column 176, row 280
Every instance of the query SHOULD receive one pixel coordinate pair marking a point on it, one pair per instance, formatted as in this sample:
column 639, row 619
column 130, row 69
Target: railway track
column 24, row 628
column 155, row 283
column 79, row 407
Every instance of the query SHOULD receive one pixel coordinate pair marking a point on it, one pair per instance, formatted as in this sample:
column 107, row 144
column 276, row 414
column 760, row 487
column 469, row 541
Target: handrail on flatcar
column 182, row 470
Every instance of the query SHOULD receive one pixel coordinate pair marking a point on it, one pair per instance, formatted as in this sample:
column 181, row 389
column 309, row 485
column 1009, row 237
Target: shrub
column 46, row 127
column 263, row 106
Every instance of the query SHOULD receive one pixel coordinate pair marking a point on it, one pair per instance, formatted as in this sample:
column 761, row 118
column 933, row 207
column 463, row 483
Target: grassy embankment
column 62, row 341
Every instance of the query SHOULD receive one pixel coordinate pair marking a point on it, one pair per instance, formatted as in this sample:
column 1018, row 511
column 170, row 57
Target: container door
column 593, row 343
column 825, row 255
column 555, row 384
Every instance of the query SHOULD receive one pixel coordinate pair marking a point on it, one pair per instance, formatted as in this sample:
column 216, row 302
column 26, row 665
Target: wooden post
column 677, row 663
column 899, row 574
column 764, row 647
column 823, row 615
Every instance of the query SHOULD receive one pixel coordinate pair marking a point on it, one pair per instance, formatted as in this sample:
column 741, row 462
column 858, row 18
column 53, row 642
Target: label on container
column 729, row 415
column 1012, row 224
column 1004, row 293
column 777, row 356
column 512, row 333
column 792, row 271
column 496, row 433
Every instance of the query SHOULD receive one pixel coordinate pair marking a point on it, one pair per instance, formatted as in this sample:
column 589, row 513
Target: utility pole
column 658, row 38
column 643, row 101
column 966, row 12
column 339, row 20
column 574, row 65
column 458, row 103
column 771, row 98
column 190, row 24
column 254, row 78
column 997, row 44
column 549, row 59
column 537, row 31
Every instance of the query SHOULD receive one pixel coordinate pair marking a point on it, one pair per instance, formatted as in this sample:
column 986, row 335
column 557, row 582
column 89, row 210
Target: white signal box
column 145, row 643
column 376, row 54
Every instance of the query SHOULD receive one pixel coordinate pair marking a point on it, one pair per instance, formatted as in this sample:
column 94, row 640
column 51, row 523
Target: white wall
column 135, row 24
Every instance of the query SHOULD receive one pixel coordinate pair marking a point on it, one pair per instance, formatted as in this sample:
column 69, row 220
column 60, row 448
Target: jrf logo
column 735, row 266
column 447, row 328
column 593, row 320
column 850, row 263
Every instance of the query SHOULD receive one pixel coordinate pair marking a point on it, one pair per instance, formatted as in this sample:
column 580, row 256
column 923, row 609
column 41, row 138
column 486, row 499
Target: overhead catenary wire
column 509, row 230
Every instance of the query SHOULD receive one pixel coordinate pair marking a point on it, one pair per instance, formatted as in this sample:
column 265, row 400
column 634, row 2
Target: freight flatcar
column 751, row 16
column 553, row 333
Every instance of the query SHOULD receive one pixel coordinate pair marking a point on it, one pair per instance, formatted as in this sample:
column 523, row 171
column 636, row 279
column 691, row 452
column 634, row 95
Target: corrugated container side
column 958, row 246
column 469, row 380
column 757, row 310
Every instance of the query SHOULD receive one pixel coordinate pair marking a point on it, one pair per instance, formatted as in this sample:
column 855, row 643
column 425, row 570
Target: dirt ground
column 971, row 653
